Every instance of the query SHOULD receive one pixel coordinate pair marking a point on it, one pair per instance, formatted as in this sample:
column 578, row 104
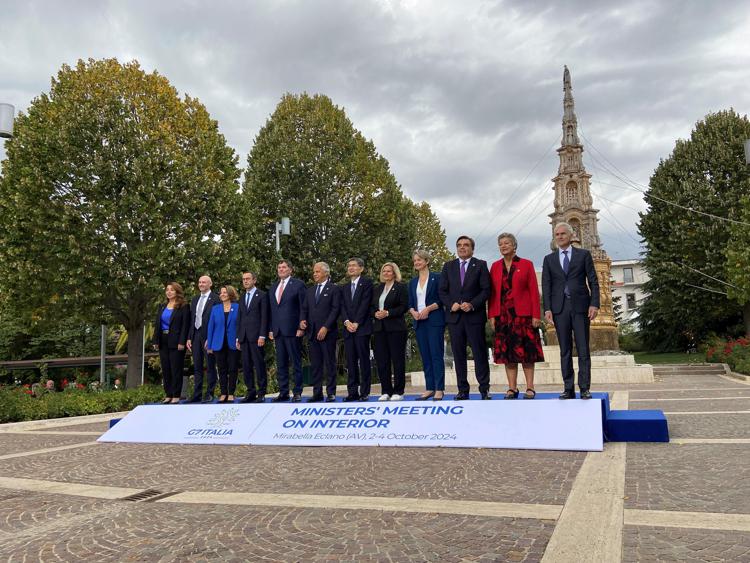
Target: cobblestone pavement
column 681, row 479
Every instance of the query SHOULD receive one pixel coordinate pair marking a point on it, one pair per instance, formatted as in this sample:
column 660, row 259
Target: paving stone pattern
column 650, row 543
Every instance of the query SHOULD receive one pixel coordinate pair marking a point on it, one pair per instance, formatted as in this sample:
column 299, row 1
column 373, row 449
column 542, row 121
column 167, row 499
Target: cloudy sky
column 463, row 98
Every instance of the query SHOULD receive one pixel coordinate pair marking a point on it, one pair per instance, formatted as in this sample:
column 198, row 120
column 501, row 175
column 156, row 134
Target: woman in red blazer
column 515, row 315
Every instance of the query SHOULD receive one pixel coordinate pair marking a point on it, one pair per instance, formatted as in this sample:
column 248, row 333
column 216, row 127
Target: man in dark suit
column 571, row 305
column 252, row 327
column 285, row 299
column 320, row 313
column 355, row 312
column 200, row 311
column 464, row 290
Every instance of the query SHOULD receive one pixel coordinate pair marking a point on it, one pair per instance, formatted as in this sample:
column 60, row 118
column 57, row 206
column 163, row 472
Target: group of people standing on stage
column 220, row 328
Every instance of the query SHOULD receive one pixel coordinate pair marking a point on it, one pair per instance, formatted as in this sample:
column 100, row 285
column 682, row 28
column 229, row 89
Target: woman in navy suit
column 222, row 341
column 429, row 325
column 390, row 299
column 172, row 325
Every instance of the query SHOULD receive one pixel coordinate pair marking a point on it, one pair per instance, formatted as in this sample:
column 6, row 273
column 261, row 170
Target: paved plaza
column 65, row 497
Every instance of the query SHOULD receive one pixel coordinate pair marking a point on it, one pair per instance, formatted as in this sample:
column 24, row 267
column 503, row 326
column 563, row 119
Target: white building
column 629, row 277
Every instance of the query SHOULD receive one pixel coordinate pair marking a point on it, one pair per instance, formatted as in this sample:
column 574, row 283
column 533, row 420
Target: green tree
column 738, row 261
column 113, row 185
column 431, row 235
column 686, row 254
column 309, row 163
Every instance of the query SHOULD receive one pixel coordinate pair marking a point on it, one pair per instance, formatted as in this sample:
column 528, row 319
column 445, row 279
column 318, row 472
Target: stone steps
column 689, row 369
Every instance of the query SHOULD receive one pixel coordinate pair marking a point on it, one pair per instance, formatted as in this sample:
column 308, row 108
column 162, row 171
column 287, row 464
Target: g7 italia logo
column 216, row 425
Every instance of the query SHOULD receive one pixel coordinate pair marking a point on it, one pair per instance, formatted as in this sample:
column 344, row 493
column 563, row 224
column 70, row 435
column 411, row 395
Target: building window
column 630, row 301
column 627, row 274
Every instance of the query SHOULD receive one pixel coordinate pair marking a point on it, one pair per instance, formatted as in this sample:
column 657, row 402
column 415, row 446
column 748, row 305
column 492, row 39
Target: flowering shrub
column 734, row 352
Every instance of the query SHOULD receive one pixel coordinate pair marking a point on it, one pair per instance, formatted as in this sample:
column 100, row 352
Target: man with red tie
column 285, row 299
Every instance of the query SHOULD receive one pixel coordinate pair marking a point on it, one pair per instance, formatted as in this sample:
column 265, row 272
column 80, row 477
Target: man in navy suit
column 320, row 313
column 285, row 299
column 252, row 327
column 200, row 311
column 355, row 312
column 571, row 305
column 464, row 290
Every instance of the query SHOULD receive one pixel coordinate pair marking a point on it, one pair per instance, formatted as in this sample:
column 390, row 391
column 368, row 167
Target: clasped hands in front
column 466, row 307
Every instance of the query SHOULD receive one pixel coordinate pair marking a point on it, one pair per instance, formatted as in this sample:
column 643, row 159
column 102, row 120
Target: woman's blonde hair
column 396, row 271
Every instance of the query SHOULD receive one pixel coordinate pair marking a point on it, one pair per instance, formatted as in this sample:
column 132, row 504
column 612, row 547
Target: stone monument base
column 620, row 368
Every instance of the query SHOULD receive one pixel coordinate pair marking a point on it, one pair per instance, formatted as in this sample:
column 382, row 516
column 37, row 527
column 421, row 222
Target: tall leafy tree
column 686, row 254
column 113, row 185
column 738, row 261
column 309, row 163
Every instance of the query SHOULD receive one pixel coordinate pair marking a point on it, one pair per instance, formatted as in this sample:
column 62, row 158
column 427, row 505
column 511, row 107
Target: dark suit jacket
column 357, row 309
column 213, row 299
column 436, row 317
column 580, row 271
column 252, row 322
column 475, row 290
column 396, row 303
column 217, row 326
column 179, row 326
column 284, row 317
column 324, row 313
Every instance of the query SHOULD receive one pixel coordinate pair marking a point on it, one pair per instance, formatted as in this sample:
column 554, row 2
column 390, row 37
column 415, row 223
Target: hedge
column 735, row 353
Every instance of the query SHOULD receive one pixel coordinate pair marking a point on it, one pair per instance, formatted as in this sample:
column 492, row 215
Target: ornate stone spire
column 573, row 202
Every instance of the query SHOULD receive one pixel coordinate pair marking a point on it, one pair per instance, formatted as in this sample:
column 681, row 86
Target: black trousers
column 323, row 360
column 227, row 360
column 463, row 333
column 288, row 350
column 199, row 354
column 567, row 325
column 254, row 360
column 172, row 366
column 390, row 357
column 358, row 369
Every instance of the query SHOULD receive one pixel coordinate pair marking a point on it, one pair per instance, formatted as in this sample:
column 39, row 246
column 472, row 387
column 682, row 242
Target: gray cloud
column 462, row 99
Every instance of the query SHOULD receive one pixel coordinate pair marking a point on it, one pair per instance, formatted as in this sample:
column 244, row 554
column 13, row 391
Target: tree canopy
column 309, row 163
column 695, row 259
column 113, row 185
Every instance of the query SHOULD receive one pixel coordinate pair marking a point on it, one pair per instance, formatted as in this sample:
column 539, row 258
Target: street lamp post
column 282, row 228
column 747, row 151
column 7, row 112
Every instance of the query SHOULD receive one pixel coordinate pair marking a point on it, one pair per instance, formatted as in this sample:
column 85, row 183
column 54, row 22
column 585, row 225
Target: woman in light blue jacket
column 221, row 341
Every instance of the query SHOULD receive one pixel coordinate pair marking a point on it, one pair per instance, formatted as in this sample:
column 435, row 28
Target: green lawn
column 669, row 358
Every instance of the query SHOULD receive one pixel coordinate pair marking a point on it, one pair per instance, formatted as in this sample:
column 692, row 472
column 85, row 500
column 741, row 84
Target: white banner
column 541, row 425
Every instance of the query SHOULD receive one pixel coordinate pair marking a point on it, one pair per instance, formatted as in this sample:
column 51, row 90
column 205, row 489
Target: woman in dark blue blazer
column 429, row 325
column 222, row 341
column 170, row 334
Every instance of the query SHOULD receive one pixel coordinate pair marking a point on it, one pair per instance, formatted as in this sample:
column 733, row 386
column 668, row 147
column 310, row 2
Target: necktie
column 566, row 266
column 247, row 300
column 317, row 293
column 354, row 289
column 199, row 311
column 280, row 291
column 463, row 271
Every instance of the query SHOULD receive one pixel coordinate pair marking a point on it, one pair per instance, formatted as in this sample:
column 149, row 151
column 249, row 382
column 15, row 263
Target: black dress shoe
column 296, row 398
column 194, row 400
column 331, row 398
column 260, row 399
column 586, row 394
column 316, row 398
column 461, row 397
column 486, row 396
column 248, row 399
column 364, row 398
column 281, row 399
column 351, row 398
column 207, row 400
column 567, row 395
column 425, row 397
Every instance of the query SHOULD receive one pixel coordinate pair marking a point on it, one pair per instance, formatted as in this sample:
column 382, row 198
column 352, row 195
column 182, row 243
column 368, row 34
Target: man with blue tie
column 320, row 313
column 252, row 327
column 464, row 289
column 200, row 311
column 356, row 296
column 285, row 299
column 571, row 305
